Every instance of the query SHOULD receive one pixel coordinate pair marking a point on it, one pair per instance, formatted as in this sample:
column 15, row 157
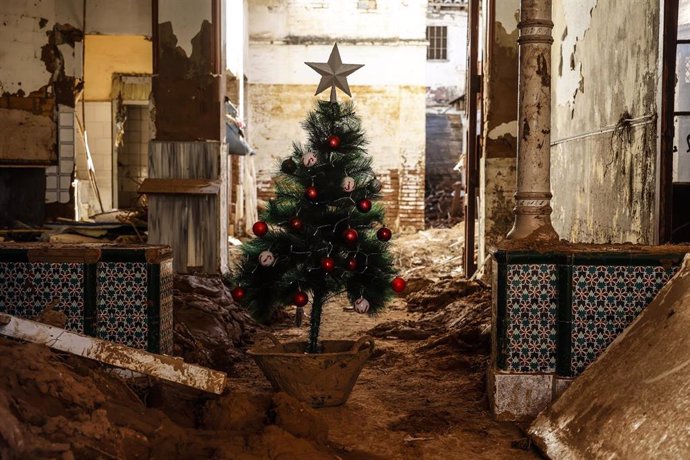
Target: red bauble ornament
column 260, row 228
column 300, row 299
column 311, row 193
column 351, row 264
column 398, row 284
column 238, row 294
column 296, row 224
column 384, row 234
column 364, row 205
column 327, row 264
column 350, row 236
column 334, row 141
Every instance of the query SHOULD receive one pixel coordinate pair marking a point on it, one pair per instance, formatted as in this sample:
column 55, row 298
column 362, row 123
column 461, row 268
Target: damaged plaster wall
column 389, row 90
column 605, row 70
column 498, row 162
column 39, row 44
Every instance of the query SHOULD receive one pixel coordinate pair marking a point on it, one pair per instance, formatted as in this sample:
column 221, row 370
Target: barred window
column 366, row 4
column 437, row 36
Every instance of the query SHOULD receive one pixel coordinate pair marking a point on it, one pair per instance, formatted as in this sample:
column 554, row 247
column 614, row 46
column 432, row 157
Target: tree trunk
column 315, row 324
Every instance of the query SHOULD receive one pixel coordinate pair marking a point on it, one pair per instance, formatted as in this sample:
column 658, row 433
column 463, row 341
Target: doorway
column 132, row 155
column 675, row 125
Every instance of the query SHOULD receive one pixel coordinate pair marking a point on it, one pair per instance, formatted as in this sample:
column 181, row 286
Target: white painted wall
column 121, row 17
column 391, row 19
column 450, row 73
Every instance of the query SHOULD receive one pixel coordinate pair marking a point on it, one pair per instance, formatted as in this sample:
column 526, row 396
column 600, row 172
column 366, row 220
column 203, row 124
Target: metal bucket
column 319, row 379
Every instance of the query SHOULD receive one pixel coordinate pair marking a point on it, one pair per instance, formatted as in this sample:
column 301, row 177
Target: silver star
column 334, row 73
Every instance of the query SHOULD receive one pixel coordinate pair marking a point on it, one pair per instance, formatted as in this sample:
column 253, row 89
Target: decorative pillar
column 533, row 197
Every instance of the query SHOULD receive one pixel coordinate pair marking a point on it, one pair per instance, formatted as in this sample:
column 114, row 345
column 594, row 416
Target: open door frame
column 473, row 97
column 669, row 36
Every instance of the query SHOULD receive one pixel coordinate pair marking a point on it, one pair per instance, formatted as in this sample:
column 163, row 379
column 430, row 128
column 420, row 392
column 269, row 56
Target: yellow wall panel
column 108, row 54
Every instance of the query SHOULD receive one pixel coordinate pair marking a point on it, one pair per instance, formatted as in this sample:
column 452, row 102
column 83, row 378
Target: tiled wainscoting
column 555, row 313
column 116, row 293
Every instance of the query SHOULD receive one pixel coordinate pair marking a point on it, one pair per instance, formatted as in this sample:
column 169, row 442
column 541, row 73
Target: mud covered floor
column 422, row 395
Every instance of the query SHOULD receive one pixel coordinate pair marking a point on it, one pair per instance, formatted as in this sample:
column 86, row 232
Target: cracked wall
column 389, row 90
column 498, row 163
column 605, row 69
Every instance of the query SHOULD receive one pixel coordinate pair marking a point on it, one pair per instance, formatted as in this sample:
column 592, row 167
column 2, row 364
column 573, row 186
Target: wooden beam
column 180, row 186
column 164, row 367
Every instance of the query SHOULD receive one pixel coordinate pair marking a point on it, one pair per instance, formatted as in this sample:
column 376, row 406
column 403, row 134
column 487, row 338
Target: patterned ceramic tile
column 531, row 317
column 166, row 308
column 122, row 303
column 27, row 288
column 605, row 300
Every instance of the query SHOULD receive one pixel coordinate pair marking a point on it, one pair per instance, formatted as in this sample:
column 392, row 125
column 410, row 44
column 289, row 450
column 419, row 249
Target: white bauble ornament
column 348, row 184
column 266, row 258
column 361, row 305
column 309, row 159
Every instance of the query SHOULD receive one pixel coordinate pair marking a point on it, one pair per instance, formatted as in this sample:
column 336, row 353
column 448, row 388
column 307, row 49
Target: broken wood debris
column 164, row 367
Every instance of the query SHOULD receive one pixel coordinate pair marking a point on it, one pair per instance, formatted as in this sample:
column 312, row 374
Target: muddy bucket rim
column 365, row 343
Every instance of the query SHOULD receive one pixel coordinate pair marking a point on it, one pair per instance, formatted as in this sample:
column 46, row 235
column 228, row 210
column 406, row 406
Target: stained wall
column 605, row 65
column 499, row 143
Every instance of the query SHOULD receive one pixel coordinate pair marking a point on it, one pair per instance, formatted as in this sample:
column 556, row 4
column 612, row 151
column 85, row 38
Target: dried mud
column 421, row 395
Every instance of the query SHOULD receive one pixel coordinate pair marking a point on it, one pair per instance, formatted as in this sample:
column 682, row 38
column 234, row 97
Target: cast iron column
column 532, row 200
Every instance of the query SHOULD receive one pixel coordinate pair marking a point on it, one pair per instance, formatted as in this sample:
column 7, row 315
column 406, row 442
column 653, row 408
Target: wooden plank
column 180, row 186
column 164, row 367
column 61, row 254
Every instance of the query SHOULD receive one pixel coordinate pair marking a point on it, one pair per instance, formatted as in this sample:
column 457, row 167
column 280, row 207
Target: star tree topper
column 334, row 73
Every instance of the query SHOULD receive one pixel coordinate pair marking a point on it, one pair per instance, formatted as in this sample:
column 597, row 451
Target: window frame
column 437, row 43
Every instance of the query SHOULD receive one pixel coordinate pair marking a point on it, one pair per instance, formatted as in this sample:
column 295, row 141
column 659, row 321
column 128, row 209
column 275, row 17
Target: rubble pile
column 441, row 209
column 210, row 329
column 58, row 406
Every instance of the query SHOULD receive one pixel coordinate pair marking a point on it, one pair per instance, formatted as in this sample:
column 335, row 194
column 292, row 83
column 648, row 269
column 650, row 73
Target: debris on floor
column 210, row 329
column 164, row 367
column 421, row 395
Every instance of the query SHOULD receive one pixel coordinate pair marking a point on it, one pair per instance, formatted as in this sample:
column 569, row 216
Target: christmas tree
column 323, row 234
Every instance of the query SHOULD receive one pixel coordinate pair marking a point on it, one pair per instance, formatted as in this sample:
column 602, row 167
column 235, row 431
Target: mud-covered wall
column 605, row 70
column 498, row 162
column 389, row 90
column 40, row 42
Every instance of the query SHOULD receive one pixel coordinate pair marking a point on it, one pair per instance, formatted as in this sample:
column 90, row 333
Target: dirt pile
column 455, row 315
column 59, row 406
column 210, row 329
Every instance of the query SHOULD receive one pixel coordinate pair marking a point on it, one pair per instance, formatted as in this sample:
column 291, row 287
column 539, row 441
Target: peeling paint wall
column 39, row 45
column 605, row 69
column 389, row 90
column 498, row 163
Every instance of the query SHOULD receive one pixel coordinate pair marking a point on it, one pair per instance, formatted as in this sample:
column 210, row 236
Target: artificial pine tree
column 323, row 233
